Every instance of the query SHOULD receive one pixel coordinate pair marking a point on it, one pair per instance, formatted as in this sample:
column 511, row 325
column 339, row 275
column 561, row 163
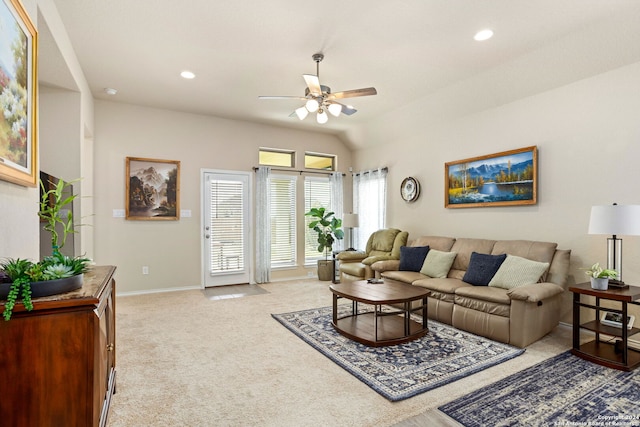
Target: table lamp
column 615, row 220
column 350, row 222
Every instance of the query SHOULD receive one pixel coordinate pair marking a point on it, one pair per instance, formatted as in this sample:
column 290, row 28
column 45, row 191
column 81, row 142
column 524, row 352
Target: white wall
column 171, row 249
column 588, row 137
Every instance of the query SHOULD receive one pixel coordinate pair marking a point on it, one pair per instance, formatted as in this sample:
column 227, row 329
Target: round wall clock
column 410, row 189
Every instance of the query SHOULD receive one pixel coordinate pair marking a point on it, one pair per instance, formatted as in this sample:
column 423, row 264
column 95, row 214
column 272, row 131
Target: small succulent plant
column 598, row 272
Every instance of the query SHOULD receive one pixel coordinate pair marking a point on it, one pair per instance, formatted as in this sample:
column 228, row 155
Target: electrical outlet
column 310, row 274
column 145, row 269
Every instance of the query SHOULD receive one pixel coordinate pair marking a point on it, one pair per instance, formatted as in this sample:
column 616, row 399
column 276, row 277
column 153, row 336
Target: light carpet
column 562, row 391
column 185, row 360
column 400, row 371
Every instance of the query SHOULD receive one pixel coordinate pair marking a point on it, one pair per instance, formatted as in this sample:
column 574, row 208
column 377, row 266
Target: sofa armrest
column 375, row 258
column 535, row 292
column 351, row 256
column 386, row 265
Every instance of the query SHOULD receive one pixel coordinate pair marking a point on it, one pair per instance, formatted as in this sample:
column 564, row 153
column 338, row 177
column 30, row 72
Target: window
column 227, row 212
column 319, row 161
column 278, row 158
column 317, row 194
column 283, row 221
column 370, row 203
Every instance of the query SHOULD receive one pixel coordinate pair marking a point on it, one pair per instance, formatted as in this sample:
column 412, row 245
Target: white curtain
column 337, row 202
column 263, row 225
column 370, row 203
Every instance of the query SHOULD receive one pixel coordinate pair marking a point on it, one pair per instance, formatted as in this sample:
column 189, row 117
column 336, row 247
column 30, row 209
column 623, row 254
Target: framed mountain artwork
column 153, row 189
column 501, row 179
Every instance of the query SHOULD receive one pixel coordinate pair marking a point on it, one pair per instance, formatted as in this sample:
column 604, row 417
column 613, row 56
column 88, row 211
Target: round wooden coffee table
column 377, row 327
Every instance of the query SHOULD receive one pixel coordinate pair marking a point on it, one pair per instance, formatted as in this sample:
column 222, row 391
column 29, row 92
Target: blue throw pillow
column 412, row 257
column 482, row 268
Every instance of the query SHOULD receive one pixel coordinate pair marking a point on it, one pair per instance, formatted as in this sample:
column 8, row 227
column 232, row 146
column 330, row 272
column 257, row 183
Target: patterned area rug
column 562, row 391
column 400, row 371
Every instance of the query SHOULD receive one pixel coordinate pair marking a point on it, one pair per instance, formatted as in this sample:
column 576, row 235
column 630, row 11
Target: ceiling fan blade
column 347, row 110
column 353, row 93
column 313, row 83
column 282, row 97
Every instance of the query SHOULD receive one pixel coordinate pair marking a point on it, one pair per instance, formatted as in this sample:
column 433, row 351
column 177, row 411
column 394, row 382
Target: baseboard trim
column 157, row 291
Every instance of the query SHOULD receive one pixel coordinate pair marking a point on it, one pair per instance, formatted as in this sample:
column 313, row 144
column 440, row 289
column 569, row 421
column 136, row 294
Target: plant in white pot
column 600, row 276
column 54, row 274
column 328, row 228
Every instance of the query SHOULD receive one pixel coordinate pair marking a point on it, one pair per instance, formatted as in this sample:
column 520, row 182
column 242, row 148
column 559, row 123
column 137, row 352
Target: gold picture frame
column 153, row 189
column 18, row 95
column 501, row 179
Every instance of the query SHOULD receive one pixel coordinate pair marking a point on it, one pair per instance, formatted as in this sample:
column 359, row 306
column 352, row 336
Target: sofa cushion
column 403, row 276
column 517, row 271
column 497, row 295
column 439, row 243
column 482, row 268
column 465, row 247
column 437, row 263
column 536, row 251
column 412, row 257
column 444, row 285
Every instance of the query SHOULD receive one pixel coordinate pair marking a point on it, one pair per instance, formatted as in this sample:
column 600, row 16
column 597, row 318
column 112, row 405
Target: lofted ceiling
column 406, row 49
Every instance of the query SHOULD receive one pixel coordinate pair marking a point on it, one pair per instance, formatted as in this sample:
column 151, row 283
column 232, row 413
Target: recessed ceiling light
column 110, row 91
column 187, row 75
column 483, row 35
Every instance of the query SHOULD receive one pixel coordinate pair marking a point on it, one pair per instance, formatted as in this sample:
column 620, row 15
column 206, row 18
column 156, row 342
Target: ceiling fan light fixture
column 312, row 105
column 335, row 109
column 322, row 117
column 301, row 113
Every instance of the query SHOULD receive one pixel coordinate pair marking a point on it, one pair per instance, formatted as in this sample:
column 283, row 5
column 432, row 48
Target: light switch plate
column 118, row 213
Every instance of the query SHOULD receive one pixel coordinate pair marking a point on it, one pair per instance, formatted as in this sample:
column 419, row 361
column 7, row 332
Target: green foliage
column 328, row 228
column 23, row 272
column 51, row 205
column 598, row 272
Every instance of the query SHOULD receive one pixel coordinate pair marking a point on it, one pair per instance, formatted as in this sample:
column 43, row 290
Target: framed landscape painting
column 153, row 189
column 502, row 179
column 18, row 135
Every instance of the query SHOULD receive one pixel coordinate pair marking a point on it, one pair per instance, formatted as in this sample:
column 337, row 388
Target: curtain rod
column 300, row 171
column 385, row 169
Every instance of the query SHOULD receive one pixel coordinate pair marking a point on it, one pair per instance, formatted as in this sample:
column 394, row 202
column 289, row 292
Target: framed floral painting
column 18, row 83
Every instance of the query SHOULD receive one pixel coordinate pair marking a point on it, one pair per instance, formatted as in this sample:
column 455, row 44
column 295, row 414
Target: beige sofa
column 517, row 316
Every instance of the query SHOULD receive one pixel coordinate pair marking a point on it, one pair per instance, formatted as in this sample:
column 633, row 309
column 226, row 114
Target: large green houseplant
column 23, row 274
column 327, row 226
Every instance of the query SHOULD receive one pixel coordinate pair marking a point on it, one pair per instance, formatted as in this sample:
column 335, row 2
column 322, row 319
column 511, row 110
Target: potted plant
column 54, row 274
column 600, row 276
column 328, row 228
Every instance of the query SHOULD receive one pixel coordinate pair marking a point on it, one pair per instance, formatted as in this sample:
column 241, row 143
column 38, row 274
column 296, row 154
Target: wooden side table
column 601, row 352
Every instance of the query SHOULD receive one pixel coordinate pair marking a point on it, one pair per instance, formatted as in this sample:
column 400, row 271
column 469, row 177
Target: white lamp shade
column 350, row 220
column 615, row 220
column 335, row 109
column 312, row 105
column 322, row 117
column 301, row 113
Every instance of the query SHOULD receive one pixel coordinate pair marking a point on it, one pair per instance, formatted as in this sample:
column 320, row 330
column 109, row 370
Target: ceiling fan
column 319, row 98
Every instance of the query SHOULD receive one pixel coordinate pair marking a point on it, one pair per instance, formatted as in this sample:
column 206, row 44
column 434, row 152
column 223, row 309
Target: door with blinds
column 225, row 228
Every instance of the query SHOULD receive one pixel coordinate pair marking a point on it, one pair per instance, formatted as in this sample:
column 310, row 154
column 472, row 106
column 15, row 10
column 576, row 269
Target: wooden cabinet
column 57, row 362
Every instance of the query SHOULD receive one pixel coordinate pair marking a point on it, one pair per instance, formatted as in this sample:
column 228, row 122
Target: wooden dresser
column 57, row 362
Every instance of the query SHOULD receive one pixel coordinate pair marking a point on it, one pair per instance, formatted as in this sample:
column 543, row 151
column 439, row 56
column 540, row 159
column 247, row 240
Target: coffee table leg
column 375, row 323
column 425, row 300
column 407, row 307
column 335, row 309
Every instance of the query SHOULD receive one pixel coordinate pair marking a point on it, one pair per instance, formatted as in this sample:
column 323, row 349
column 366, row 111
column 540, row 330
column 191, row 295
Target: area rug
column 562, row 391
column 400, row 371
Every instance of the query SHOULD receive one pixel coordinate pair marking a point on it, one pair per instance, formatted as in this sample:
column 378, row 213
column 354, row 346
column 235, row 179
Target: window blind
column 227, row 218
column 283, row 221
column 317, row 194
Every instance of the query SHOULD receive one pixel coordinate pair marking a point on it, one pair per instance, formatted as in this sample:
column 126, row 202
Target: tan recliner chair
column 382, row 245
